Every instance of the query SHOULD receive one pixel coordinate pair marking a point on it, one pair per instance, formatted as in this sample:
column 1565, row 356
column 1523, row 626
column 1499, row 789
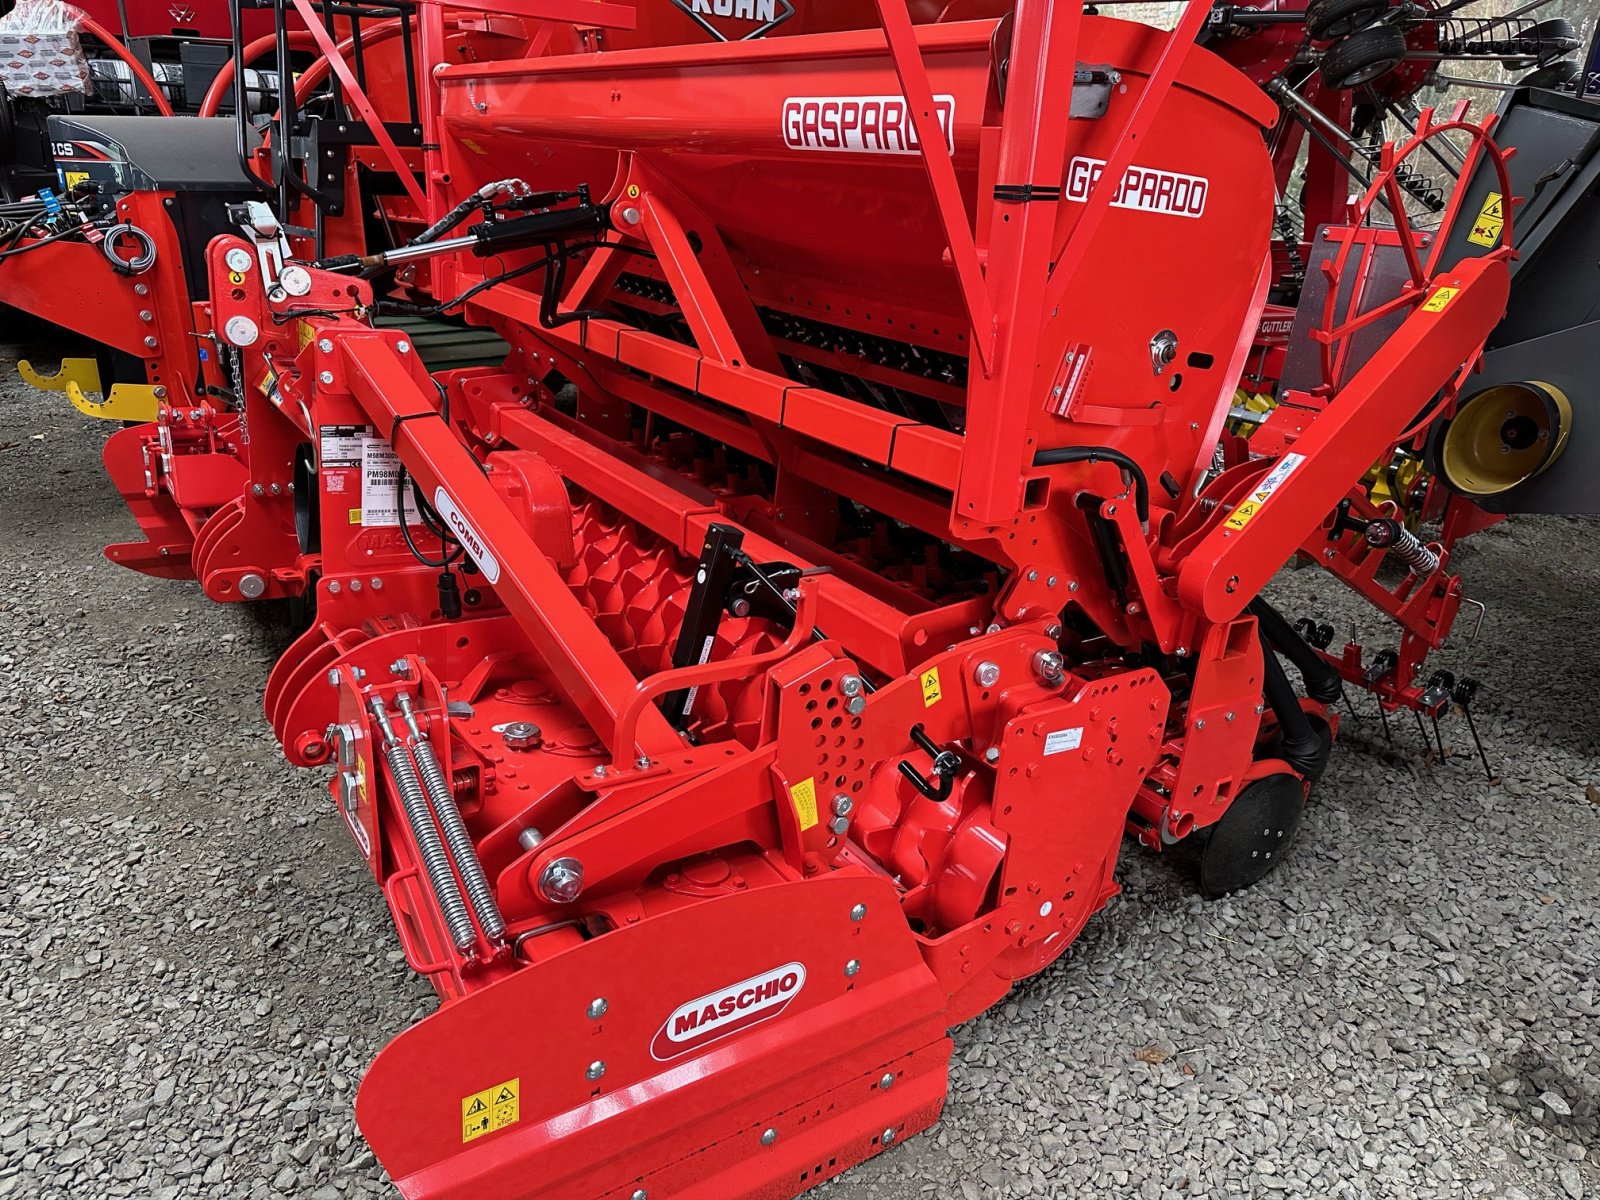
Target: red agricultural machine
column 757, row 671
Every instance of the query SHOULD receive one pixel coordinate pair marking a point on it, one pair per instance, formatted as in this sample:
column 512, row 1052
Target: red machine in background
column 757, row 672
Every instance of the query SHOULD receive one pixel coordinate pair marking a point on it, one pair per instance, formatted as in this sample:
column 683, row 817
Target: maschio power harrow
column 758, row 673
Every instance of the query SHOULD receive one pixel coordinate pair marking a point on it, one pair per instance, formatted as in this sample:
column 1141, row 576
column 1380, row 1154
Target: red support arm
column 914, row 83
column 581, row 662
column 1243, row 550
column 1033, row 139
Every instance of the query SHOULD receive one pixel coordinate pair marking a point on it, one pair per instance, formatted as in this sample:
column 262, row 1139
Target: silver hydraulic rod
column 434, row 859
column 479, row 893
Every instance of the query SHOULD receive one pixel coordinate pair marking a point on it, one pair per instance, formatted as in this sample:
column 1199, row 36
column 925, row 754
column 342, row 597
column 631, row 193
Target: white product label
column 342, row 445
column 1063, row 740
column 1143, row 188
column 861, row 124
column 1251, row 504
column 470, row 539
column 380, row 470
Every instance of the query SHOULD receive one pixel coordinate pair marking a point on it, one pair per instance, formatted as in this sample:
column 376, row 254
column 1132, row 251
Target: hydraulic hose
column 1300, row 746
column 1322, row 681
column 1094, row 454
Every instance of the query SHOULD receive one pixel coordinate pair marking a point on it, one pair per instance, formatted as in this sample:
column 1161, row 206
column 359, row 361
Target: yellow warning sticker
column 1491, row 221
column 931, row 691
column 1437, row 301
column 355, row 516
column 1252, row 503
column 804, row 797
column 236, row 277
column 73, row 178
column 491, row 1109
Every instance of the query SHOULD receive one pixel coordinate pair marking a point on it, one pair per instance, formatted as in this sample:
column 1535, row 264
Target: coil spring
column 459, row 840
column 434, row 860
column 1388, row 534
column 1416, row 555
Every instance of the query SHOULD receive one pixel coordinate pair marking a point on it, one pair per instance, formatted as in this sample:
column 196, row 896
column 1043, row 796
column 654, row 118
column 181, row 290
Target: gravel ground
column 198, row 968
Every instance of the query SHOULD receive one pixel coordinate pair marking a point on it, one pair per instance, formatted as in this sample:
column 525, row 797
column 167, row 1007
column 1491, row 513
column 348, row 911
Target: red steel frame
column 704, row 864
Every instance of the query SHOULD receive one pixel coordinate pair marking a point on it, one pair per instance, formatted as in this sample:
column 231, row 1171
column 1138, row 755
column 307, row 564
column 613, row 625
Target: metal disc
column 1253, row 835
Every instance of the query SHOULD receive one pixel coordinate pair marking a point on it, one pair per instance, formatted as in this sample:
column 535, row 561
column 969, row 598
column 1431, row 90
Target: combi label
column 728, row 1010
column 861, row 124
column 470, row 539
column 1143, row 188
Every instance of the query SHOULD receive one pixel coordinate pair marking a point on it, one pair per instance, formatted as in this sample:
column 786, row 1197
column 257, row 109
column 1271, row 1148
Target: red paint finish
column 731, row 955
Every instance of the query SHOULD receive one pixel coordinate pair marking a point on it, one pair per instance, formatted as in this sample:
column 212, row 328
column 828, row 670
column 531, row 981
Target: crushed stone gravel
column 198, row 968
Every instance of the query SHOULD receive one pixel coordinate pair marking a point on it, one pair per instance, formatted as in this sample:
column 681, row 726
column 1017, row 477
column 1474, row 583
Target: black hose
column 1094, row 454
column 1299, row 745
column 1322, row 680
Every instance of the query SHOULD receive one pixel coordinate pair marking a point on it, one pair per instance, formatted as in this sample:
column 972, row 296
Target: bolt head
column 839, row 825
column 768, row 1136
column 405, row 348
column 638, row 1193
column 853, row 967
column 642, row 762
column 850, row 685
column 325, row 345
column 856, row 705
column 333, row 677
column 842, row 805
column 887, row 1081
column 987, row 673
column 399, row 667
column 888, row 1136
column 992, row 754
column 598, row 1007
column 858, row 913
column 326, row 377
column 561, row 882
column 596, row 1070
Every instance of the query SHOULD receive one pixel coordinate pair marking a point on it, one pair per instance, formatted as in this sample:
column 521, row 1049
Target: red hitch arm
column 580, row 659
column 1232, row 563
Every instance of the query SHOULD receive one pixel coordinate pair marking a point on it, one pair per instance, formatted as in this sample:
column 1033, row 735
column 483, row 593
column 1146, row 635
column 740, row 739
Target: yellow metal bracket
column 127, row 402
column 84, row 372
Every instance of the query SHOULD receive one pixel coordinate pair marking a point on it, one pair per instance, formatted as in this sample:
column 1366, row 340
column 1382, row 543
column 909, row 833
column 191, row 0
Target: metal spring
column 434, row 860
column 1422, row 561
column 456, row 836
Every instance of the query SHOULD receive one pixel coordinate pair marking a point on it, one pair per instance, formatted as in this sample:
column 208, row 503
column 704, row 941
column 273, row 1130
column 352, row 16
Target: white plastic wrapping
column 40, row 54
